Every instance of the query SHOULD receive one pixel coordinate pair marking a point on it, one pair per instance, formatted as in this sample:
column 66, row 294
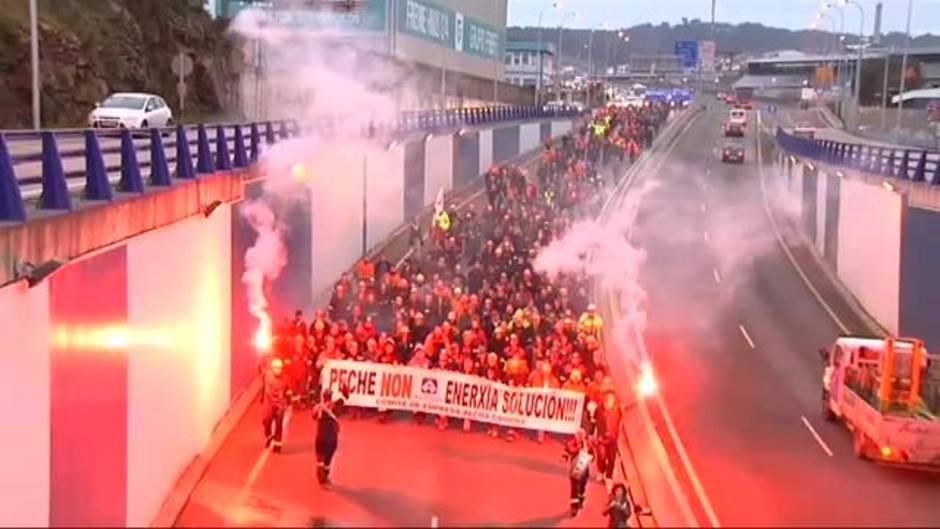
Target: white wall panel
column 869, row 259
column 179, row 310
column 438, row 167
column 560, row 127
column 336, row 207
column 385, row 186
column 24, row 394
column 529, row 136
column 486, row 150
column 822, row 180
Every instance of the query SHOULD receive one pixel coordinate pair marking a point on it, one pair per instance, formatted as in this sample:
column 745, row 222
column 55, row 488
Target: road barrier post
column 223, row 161
column 131, row 182
column 204, row 154
column 11, row 200
column 159, row 169
column 255, row 142
column 97, row 186
column 184, row 158
column 241, row 156
column 55, row 191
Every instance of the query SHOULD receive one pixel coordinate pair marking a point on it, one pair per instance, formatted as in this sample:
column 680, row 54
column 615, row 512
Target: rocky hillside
column 90, row 48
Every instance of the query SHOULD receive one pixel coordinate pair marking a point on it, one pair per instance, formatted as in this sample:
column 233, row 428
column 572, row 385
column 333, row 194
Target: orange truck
column 887, row 392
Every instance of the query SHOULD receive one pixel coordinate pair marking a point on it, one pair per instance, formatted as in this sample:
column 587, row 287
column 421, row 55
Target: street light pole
column 34, row 58
column 590, row 75
column 558, row 68
column 861, row 58
column 538, row 83
column 907, row 44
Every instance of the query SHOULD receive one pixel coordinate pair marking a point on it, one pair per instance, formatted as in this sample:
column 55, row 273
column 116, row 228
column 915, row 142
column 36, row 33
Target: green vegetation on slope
column 90, row 48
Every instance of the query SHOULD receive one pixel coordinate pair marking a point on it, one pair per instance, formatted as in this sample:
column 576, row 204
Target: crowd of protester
column 469, row 299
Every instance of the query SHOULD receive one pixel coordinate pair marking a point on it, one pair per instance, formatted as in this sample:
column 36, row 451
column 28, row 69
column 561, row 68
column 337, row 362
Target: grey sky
column 793, row 14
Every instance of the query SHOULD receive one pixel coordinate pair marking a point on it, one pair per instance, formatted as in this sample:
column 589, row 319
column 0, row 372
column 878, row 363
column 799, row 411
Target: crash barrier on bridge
column 893, row 162
column 873, row 228
column 236, row 147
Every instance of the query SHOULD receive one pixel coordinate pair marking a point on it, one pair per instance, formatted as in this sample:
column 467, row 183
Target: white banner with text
column 438, row 392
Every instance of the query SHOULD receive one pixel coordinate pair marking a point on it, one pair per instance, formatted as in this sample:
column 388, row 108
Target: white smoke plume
column 602, row 249
column 264, row 262
column 315, row 76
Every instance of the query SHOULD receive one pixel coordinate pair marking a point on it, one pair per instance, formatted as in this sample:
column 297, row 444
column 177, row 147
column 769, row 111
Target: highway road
column 733, row 332
column 390, row 474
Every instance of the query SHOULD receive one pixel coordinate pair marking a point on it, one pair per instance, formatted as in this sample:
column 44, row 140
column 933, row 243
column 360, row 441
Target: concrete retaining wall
column 874, row 237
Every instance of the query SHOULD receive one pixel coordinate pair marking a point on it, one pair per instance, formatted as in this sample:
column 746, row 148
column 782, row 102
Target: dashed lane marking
column 716, row 275
column 816, row 436
column 747, row 336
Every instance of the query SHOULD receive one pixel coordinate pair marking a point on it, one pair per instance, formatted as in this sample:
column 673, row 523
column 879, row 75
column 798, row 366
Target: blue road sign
column 688, row 50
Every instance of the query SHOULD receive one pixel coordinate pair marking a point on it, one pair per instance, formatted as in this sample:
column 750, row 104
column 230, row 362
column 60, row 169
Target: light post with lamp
column 34, row 59
column 541, row 52
column 558, row 62
column 861, row 57
column 907, row 44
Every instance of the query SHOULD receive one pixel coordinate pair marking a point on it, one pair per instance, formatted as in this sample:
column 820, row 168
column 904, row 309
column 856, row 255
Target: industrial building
column 451, row 49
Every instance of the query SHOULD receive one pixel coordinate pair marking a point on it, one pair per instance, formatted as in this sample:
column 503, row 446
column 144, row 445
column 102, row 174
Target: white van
column 738, row 116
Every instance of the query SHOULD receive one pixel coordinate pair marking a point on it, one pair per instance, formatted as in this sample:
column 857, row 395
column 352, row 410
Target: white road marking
column 618, row 195
column 687, row 462
column 434, row 521
column 716, row 275
column 786, row 249
column 259, row 466
column 707, row 237
column 703, row 207
column 406, row 256
column 816, row 436
column 747, row 336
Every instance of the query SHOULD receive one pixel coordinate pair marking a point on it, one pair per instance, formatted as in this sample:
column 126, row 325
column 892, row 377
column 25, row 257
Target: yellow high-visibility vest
column 443, row 221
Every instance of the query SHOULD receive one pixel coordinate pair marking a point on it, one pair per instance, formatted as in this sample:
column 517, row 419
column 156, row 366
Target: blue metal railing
column 94, row 161
column 893, row 162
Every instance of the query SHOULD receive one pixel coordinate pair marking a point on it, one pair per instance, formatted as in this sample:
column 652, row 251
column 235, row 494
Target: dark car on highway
column 733, row 152
column 734, row 130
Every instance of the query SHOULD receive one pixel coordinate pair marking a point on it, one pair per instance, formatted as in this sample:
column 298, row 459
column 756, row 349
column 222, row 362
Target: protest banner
column 439, row 392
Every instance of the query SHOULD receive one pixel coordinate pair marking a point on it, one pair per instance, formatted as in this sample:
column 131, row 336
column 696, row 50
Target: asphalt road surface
column 394, row 474
column 734, row 334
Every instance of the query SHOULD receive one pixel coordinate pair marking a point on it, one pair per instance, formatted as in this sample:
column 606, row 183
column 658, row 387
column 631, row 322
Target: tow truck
column 887, row 392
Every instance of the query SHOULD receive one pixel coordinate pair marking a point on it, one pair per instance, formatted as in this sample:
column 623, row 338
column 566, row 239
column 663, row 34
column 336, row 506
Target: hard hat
column 592, row 307
column 277, row 363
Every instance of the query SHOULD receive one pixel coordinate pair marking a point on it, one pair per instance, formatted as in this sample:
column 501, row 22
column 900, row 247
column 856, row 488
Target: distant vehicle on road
column 738, row 116
column 733, row 152
column 887, row 392
column 734, row 129
column 805, row 131
column 807, row 97
column 131, row 110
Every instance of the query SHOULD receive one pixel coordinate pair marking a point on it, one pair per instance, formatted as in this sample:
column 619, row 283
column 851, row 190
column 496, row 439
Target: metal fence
column 893, row 162
column 50, row 166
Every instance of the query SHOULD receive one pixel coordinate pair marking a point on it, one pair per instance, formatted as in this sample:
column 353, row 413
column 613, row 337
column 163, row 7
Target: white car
column 131, row 111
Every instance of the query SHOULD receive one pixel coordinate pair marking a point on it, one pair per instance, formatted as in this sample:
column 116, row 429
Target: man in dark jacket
column 327, row 440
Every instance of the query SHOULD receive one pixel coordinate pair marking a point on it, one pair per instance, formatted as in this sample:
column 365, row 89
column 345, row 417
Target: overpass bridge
column 126, row 332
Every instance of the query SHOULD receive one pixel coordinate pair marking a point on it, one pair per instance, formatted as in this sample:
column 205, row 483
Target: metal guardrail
column 111, row 157
column 893, row 162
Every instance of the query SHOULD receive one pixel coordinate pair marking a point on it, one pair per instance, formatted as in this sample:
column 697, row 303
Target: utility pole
column 907, row 44
column 34, row 57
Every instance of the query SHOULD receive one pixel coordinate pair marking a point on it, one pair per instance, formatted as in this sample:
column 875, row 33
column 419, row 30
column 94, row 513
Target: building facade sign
column 451, row 29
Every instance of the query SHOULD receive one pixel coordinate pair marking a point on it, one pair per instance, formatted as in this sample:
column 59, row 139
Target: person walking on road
column 275, row 395
column 618, row 509
column 579, row 453
column 327, row 440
